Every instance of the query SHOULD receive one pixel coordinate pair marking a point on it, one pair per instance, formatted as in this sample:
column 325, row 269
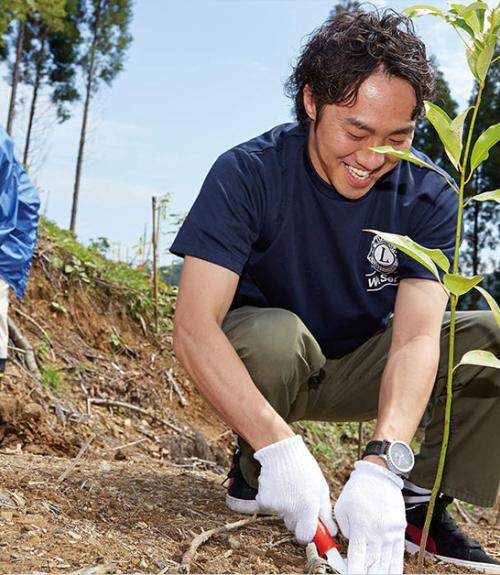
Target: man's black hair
column 341, row 54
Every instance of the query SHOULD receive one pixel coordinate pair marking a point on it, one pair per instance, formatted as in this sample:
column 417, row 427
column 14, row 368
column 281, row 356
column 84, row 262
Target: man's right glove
column 371, row 514
column 292, row 485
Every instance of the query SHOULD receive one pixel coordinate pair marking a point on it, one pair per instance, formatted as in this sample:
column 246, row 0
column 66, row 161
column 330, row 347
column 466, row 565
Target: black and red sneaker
column 446, row 541
column 240, row 496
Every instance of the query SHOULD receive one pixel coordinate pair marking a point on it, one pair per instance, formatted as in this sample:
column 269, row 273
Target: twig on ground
column 189, row 555
column 174, row 385
column 286, row 539
column 150, row 435
column 22, row 342
column 114, row 403
column 18, row 349
column 462, row 512
column 167, row 569
column 136, row 442
column 97, row 570
column 75, row 461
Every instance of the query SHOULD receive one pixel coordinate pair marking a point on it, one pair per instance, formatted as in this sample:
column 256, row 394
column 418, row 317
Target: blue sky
column 201, row 76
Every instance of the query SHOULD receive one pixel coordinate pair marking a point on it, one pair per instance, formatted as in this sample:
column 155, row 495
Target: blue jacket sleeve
column 19, row 216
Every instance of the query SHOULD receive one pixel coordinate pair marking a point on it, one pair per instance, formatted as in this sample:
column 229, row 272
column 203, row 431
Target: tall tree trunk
column 36, row 87
column 88, row 95
column 15, row 77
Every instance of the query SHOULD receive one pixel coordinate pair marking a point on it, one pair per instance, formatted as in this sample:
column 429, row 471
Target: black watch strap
column 375, row 447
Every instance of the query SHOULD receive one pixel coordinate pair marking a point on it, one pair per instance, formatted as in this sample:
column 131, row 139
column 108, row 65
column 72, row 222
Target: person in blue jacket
column 19, row 216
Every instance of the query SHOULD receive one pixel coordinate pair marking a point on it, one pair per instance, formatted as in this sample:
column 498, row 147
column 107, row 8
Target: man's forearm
column 224, row 381
column 406, row 386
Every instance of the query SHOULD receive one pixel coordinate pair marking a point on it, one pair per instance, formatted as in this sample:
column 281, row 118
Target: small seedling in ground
column 52, row 378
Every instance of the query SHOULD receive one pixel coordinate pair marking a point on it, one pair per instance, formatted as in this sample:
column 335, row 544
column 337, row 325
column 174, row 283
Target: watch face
column 401, row 456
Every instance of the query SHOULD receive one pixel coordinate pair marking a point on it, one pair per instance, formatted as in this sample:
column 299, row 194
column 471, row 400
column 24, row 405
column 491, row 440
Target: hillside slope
column 109, row 457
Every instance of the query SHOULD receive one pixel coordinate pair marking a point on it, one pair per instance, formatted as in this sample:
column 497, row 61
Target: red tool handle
column 323, row 540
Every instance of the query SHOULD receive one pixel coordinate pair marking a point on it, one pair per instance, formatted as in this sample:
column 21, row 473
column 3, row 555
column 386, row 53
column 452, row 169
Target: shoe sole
column 412, row 548
column 246, row 506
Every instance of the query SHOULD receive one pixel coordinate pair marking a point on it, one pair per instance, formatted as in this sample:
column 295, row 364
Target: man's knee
column 478, row 330
column 274, row 343
column 475, row 330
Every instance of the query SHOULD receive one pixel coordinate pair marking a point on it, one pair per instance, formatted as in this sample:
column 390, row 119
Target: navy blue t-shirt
column 264, row 213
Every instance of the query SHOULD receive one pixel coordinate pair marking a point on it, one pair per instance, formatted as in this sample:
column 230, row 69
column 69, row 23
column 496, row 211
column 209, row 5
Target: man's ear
column 309, row 102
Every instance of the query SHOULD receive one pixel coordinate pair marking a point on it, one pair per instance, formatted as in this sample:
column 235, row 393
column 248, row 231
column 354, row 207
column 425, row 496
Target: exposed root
column 189, row 555
column 22, row 343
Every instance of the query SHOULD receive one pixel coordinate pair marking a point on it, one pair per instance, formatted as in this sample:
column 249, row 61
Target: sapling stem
column 451, row 347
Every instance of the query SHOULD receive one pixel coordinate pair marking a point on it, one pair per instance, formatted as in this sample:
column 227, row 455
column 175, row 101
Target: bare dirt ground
column 126, row 488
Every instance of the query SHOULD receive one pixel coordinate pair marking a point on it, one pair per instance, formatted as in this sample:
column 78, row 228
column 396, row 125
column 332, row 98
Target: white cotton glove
column 371, row 514
column 292, row 485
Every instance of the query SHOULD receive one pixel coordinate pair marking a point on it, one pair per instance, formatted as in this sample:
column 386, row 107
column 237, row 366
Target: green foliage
column 425, row 139
column 460, row 285
column 107, row 33
column 333, row 442
column 450, row 133
column 479, row 357
column 114, row 339
column 87, row 265
column 62, row 62
column 171, row 274
column 42, row 350
column 480, row 25
column 479, row 252
column 484, row 143
column 477, row 27
column 344, row 6
column 52, row 377
column 490, row 300
column 485, row 196
column 409, row 156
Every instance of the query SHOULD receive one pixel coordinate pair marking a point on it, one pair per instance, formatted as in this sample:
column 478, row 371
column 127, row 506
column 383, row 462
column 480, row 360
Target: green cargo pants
column 288, row 367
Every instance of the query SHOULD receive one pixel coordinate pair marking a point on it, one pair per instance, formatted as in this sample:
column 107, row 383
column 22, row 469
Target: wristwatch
column 397, row 454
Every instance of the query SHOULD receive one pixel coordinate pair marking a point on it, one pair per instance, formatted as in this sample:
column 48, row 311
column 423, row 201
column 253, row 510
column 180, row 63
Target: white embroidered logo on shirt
column 383, row 258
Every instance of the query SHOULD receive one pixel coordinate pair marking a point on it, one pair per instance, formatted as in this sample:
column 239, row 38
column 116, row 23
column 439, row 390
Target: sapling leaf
column 493, row 195
column 459, row 285
column 471, row 57
column 474, row 7
column 458, row 22
column 484, row 143
column 457, row 124
column 472, row 20
column 479, row 357
column 490, row 300
column 412, row 249
column 484, row 59
column 457, row 8
column 442, row 124
column 405, row 154
column 422, row 10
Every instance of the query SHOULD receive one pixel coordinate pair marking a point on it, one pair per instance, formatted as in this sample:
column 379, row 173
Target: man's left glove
column 371, row 514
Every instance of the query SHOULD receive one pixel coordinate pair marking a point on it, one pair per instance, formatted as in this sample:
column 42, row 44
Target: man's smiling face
column 339, row 140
